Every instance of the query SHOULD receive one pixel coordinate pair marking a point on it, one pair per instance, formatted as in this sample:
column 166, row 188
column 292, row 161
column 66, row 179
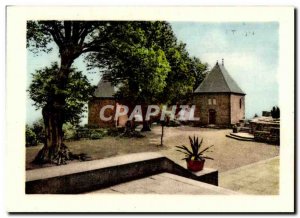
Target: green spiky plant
column 195, row 153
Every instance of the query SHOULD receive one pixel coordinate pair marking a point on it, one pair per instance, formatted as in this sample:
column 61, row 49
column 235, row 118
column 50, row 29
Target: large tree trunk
column 146, row 124
column 54, row 151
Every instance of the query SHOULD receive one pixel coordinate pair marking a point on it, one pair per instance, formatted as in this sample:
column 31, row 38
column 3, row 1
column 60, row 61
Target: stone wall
column 262, row 126
column 221, row 106
column 94, row 108
column 237, row 108
column 266, row 132
column 272, row 137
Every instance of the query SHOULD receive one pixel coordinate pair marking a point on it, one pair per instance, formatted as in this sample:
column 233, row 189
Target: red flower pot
column 195, row 165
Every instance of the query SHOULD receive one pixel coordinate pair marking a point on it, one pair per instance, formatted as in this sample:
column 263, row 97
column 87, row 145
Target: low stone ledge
column 92, row 175
column 78, row 167
column 208, row 175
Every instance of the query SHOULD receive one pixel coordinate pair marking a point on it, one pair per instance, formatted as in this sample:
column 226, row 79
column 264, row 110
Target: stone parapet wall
column 93, row 175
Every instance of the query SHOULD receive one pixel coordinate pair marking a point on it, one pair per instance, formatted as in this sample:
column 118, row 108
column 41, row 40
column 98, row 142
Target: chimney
column 222, row 61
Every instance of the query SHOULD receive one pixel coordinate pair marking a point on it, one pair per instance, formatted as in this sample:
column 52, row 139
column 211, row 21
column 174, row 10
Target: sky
column 250, row 52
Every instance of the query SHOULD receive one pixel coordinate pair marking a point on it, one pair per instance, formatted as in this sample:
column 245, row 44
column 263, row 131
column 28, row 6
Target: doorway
column 211, row 116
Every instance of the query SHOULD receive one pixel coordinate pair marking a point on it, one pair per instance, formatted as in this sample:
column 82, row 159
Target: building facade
column 103, row 95
column 219, row 100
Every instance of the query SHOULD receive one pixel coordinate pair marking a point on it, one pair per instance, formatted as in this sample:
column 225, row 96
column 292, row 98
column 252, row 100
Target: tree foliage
column 35, row 133
column 149, row 63
column 199, row 70
column 30, row 137
column 44, row 88
column 39, row 129
column 72, row 37
column 140, row 68
column 275, row 112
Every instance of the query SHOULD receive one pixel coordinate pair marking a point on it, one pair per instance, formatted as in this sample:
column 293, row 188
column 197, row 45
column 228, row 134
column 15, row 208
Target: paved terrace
column 165, row 183
column 260, row 178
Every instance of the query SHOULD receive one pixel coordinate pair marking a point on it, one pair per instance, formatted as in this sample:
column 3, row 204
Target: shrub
column 31, row 138
column 83, row 132
column 91, row 126
column 115, row 131
column 39, row 130
column 96, row 134
column 69, row 131
column 173, row 123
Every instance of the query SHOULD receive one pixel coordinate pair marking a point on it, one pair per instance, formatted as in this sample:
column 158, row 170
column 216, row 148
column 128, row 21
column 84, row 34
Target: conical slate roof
column 104, row 89
column 219, row 81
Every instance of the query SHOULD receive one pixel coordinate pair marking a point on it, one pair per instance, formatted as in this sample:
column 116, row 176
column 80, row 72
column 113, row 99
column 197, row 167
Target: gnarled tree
column 73, row 38
column 43, row 88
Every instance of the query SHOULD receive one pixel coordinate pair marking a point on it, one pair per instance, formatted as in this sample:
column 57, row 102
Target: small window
column 214, row 101
column 240, row 103
column 209, row 101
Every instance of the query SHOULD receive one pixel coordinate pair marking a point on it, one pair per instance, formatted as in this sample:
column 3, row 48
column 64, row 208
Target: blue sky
column 250, row 52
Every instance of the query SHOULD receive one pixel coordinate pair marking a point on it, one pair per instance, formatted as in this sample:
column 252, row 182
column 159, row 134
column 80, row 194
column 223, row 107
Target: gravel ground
column 228, row 153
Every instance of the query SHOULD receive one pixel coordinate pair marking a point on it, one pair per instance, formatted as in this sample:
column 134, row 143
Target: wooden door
column 212, row 116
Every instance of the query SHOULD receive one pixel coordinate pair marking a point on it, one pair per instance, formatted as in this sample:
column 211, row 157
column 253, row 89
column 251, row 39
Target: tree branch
column 67, row 27
column 55, row 36
column 75, row 32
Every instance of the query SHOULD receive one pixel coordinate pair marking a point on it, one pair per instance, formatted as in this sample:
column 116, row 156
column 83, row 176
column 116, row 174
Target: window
column 209, row 101
column 214, row 101
column 240, row 103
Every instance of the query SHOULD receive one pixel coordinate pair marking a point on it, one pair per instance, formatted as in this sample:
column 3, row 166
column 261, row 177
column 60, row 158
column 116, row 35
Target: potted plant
column 194, row 157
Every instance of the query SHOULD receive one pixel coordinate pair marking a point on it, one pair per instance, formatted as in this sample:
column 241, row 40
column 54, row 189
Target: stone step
column 241, row 138
column 244, row 129
column 247, row 125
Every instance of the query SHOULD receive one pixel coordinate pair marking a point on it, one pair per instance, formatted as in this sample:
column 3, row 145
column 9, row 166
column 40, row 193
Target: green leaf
column 201, row 152
column 182, row 147
column 206, row 157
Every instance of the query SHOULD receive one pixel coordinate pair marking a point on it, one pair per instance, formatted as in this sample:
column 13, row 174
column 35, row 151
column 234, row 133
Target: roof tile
column 219, row 81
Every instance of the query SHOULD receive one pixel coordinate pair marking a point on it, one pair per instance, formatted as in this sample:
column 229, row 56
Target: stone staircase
column 242, row 136
column 243, row 126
